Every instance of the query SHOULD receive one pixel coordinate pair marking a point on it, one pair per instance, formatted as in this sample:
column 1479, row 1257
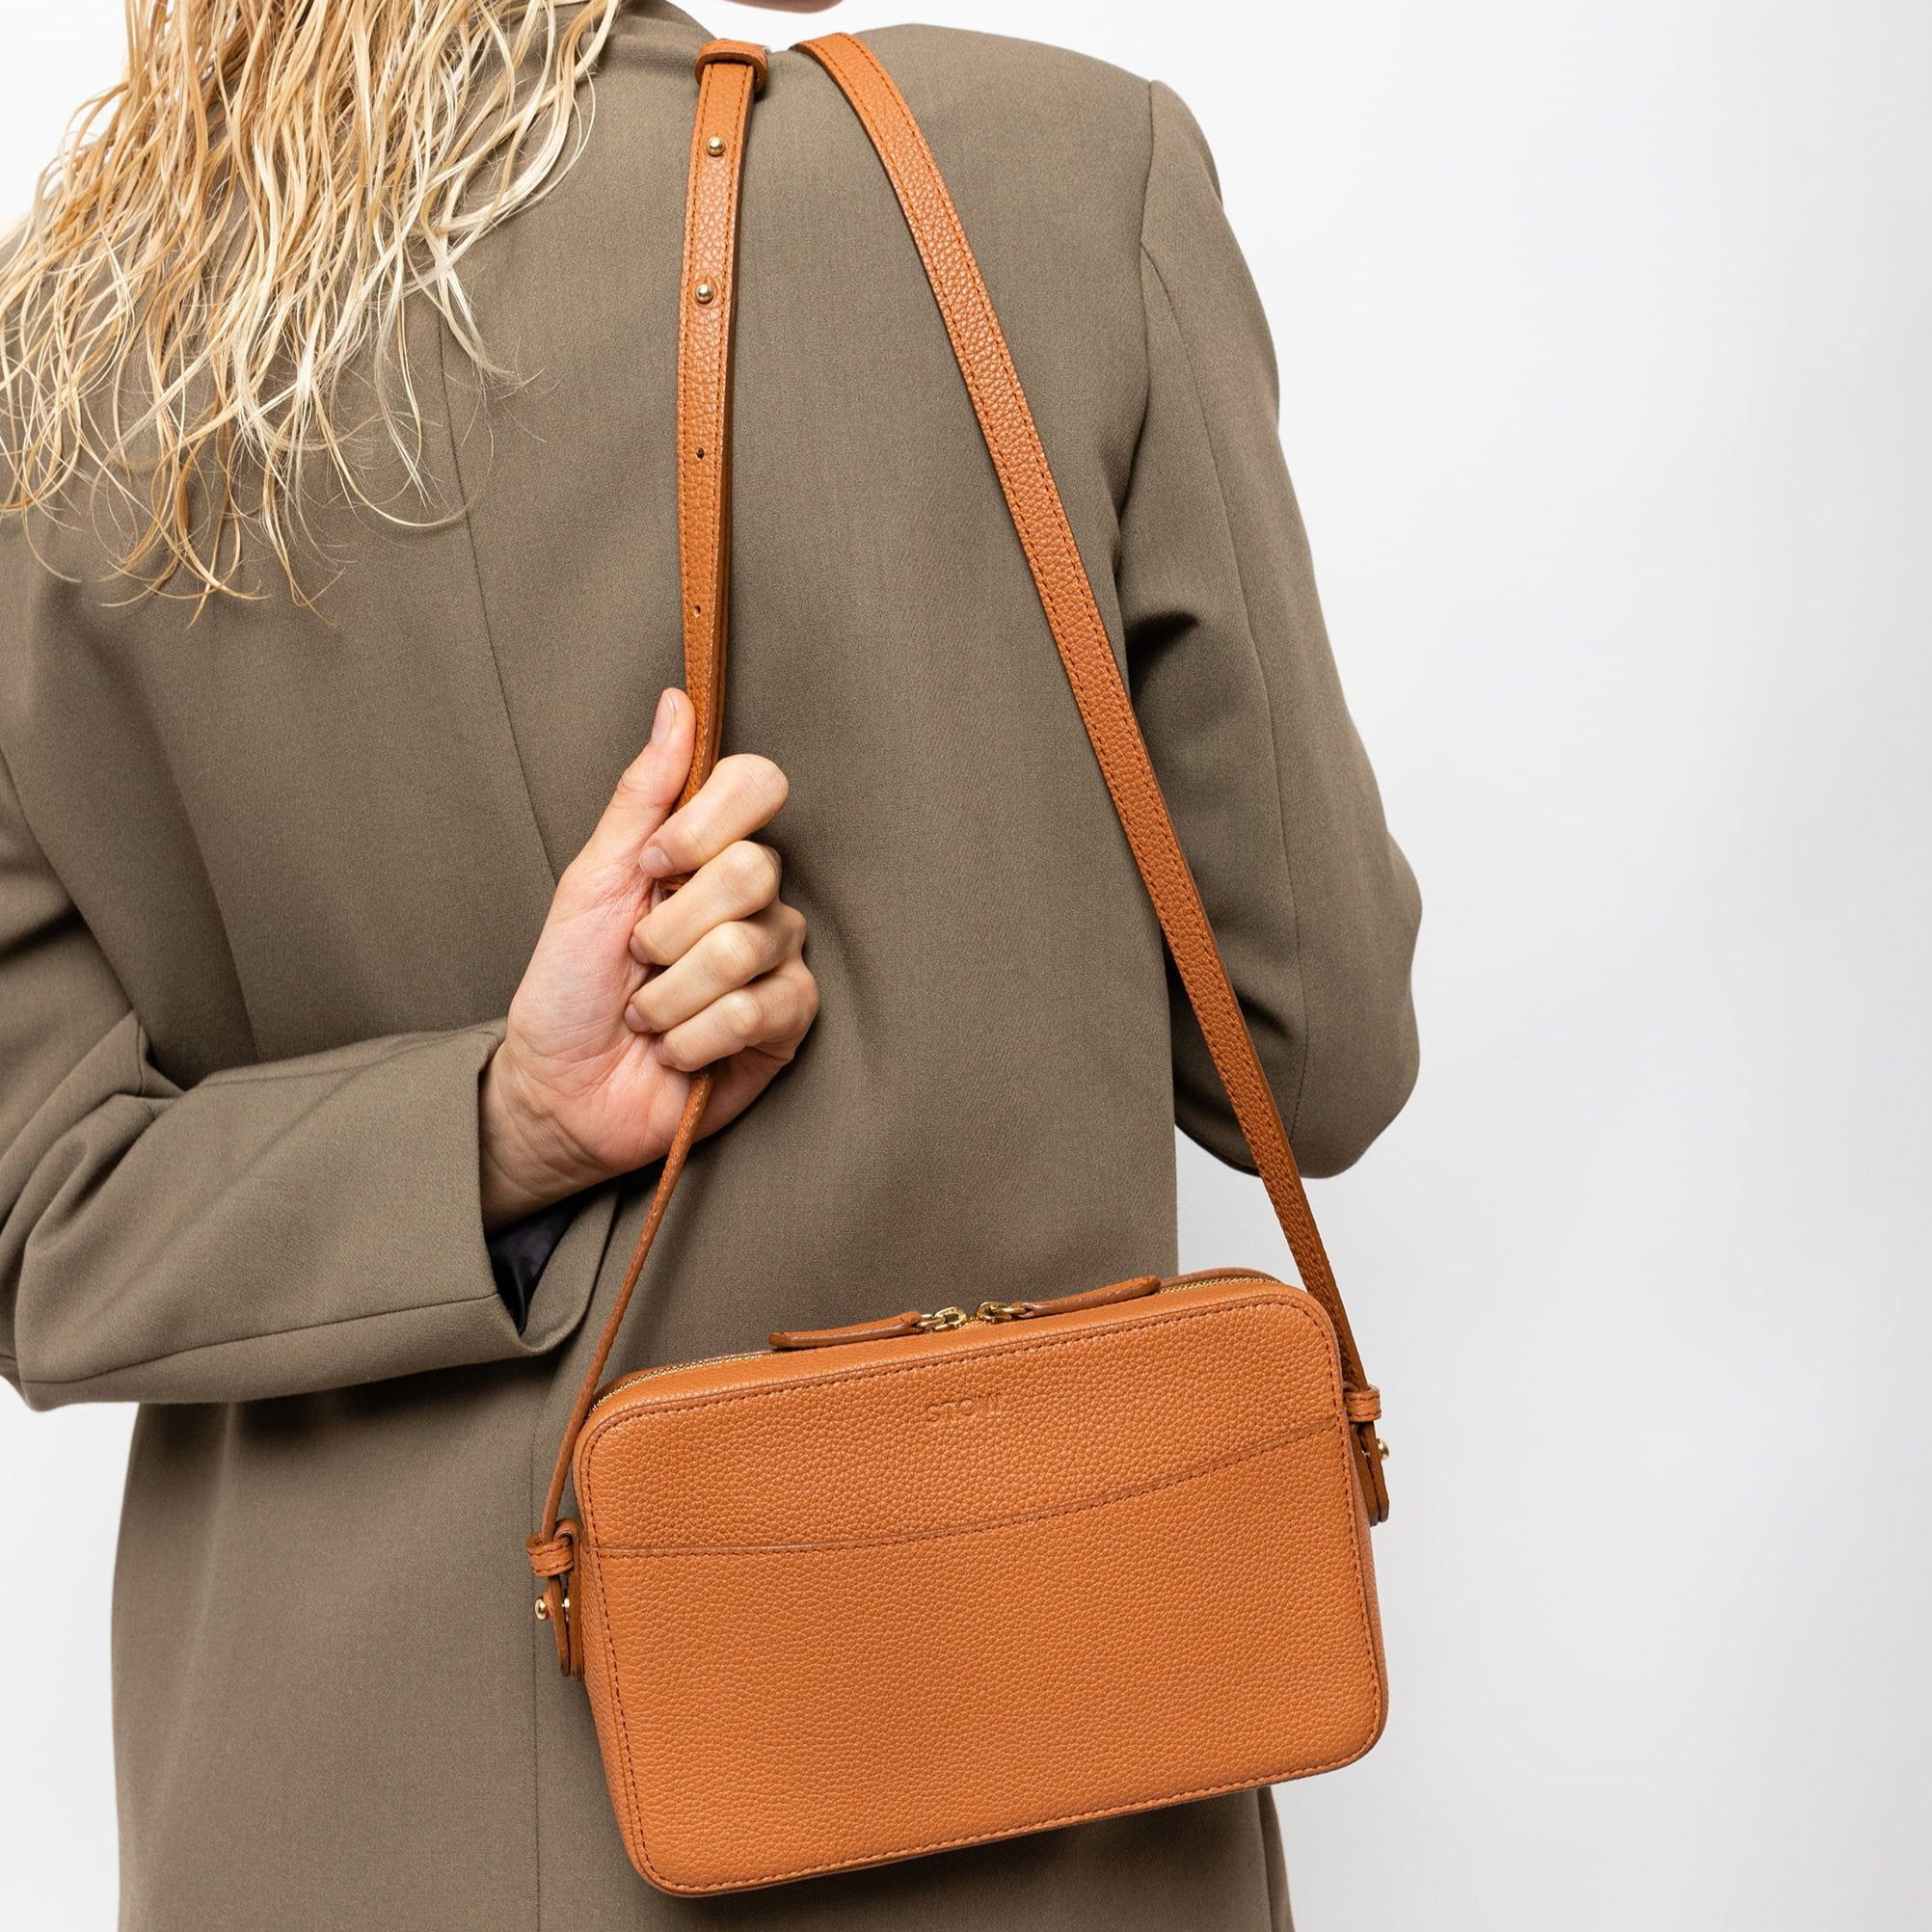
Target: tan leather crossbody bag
column 940, row 1578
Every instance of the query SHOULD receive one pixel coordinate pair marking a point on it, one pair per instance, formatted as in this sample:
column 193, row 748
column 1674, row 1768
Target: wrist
column 525, row 1163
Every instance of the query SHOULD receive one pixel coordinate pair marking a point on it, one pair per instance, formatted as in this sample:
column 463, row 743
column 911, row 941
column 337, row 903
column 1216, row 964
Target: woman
column 338, row 1007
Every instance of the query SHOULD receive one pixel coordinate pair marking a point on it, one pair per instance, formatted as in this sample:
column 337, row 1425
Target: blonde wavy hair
column 241, row 221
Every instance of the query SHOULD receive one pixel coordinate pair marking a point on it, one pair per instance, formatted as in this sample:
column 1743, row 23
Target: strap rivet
column 716, row 144
column 703, row 291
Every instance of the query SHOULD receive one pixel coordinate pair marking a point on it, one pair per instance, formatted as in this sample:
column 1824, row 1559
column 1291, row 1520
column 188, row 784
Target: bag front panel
column 819, row 1633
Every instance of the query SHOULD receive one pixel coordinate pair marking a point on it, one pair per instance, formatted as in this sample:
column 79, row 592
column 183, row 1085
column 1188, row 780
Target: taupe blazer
column 268, row 880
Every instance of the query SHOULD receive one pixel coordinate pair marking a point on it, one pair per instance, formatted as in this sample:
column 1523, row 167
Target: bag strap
column 730, row 75
column 1066, row 595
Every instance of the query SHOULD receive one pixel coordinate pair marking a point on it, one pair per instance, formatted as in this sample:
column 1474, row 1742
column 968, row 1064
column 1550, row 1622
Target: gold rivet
column 1380, row 1450
column 703, row 291
column 716, row 144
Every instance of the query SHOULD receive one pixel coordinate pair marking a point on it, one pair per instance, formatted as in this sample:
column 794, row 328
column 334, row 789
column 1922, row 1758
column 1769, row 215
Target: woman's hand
column 629, row 992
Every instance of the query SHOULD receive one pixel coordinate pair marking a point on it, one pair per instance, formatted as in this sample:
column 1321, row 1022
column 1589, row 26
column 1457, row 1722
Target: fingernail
column 660, row 725
column 655, row 859
column 634, row 1020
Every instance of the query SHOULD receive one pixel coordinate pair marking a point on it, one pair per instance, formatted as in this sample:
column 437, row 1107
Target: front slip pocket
column 860, row 1615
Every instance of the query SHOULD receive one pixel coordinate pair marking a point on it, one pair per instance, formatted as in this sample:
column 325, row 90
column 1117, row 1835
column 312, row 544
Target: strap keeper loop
column 1362, row 1404
column 553, row 1555
column 744, row 53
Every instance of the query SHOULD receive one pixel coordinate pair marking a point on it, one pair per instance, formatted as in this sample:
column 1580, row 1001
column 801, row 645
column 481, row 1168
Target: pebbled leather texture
column 1099, row 689
column 832, row 1605
column 828, row 1600
column 730, row 73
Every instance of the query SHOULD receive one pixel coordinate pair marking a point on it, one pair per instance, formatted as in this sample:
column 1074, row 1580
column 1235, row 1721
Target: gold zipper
column 938, row 1322
column 624, row 1381
column 957, row 1317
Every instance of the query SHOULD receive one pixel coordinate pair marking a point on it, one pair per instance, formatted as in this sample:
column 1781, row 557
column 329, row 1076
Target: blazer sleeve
column 273, row 1229
column 1237, row 692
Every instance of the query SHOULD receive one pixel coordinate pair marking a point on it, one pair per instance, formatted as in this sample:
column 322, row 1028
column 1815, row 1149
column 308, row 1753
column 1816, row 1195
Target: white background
column 1605, row 332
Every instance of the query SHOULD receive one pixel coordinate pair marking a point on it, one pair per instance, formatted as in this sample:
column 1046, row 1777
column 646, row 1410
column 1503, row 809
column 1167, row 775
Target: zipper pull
column 891, row 1329
column 913, row 1322
column 1130, row 1289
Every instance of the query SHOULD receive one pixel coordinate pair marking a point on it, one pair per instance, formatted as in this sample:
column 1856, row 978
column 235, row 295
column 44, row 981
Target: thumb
column 648, row 790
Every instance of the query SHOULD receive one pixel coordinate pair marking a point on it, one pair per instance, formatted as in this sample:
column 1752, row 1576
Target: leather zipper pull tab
column 891, row 1329
column 1130, row 1289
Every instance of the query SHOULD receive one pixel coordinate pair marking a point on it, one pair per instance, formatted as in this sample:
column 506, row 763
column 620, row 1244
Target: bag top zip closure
column 939, row 1322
